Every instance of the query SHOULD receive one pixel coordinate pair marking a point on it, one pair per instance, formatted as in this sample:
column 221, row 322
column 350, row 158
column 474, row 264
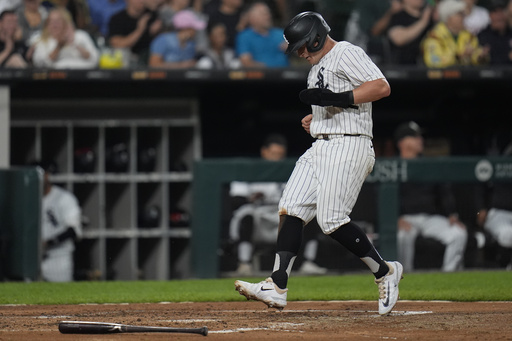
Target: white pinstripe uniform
column 327, row 178
column 60, row 210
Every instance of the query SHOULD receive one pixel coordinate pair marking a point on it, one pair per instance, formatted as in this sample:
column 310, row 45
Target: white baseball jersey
column 344, row 68
column 60, row 210
column 499, row 225
column 327, row 178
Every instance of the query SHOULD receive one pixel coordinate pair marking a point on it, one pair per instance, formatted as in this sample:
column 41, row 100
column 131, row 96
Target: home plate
column 397, row 313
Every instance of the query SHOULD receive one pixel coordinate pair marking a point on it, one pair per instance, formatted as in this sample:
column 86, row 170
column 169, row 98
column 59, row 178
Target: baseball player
column 61, row 227
column 327, row 178
column 495, row 214
column 426, row 209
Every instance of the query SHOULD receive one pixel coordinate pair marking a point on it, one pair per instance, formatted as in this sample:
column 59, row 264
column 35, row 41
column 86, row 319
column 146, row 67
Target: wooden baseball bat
column 86, row 327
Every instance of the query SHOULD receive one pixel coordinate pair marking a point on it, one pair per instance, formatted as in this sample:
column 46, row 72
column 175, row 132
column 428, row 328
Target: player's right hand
column 306, row 122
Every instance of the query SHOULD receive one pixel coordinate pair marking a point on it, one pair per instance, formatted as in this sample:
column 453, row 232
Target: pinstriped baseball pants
column 327, row 179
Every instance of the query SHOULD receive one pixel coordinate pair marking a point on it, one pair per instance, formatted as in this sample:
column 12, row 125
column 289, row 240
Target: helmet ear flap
column 317, row 42
column 314, row 45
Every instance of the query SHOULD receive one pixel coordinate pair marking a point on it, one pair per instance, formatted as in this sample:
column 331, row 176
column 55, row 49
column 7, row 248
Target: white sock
column 288, row 269
column 310, row 250
column 245, row 252
column 372, row 264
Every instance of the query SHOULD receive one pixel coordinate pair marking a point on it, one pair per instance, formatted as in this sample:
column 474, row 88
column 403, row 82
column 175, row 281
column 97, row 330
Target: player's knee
column 328, row 226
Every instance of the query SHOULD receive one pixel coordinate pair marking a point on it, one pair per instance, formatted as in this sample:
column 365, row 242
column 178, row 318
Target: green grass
column 463, row 286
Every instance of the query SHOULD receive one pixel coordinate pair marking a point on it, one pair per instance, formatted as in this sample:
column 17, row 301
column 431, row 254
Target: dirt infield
column 340, row 320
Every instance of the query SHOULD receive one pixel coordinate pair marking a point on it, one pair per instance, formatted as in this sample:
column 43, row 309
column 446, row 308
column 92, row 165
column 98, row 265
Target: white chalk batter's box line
column 240, row 330
column 285, row 326
column 265, row 311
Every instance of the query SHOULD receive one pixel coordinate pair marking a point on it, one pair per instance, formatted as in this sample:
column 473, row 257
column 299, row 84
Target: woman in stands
column 62, row 46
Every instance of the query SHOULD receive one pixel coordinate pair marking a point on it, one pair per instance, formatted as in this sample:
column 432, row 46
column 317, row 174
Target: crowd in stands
column 226, row 34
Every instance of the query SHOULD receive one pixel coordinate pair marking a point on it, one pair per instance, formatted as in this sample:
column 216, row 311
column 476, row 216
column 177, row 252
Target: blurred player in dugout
column 60, row 229
column 426, row 209
column 255, row 219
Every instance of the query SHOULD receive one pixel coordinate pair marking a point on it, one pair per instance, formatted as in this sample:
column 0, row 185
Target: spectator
column 133, row 29
column 368, row 22
column 278, row 9
column 407, row 29
column 10, row 5
column 509, row 13
column 229, row 13
column 31, row 17
column 79, row 10
column 426, row 209
column 177, row 49
column 255, row 218
column 477, row 17
column 101, row 11
column 218, row 56
column 497, row 37
column 61, row 227
column 12, row 52
column 261, row 44
column 448, row 43
column 61, row 46
column 169, row 9
column 154, row 5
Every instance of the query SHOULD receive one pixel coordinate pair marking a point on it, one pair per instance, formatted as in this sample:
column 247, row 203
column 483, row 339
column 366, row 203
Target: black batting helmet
column 307, row 28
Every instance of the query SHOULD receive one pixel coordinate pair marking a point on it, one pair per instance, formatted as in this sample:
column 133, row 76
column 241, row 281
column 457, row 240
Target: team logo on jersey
column 51, row 218
column 320, row 79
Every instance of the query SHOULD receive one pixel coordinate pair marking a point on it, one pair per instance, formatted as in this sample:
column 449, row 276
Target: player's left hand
column 306, row 122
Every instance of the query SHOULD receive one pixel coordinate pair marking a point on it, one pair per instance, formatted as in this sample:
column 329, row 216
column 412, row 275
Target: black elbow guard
column 326, row 98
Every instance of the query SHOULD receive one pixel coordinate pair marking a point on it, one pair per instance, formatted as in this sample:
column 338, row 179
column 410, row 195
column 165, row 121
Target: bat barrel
column 84, row 328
